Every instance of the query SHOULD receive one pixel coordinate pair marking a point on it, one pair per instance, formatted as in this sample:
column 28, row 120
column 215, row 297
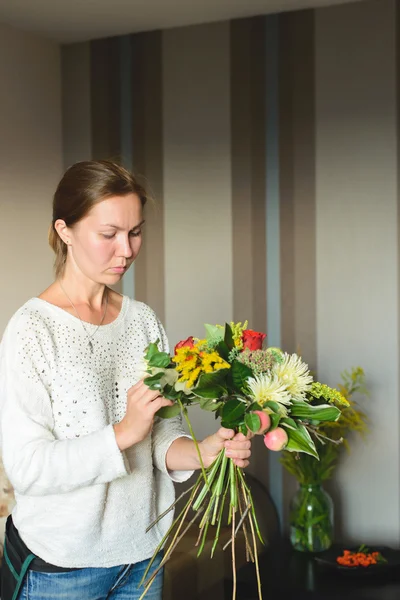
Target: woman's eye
column 135, row 233
column 108, row 237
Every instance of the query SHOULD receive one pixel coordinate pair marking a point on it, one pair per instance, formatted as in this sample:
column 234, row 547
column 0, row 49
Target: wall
column 30, row 163
column 276, row 201
column 357, row 244
column 30, row 167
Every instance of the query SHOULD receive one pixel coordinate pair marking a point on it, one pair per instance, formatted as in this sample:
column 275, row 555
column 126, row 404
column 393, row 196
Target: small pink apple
column 276, row 439
column 265, row 421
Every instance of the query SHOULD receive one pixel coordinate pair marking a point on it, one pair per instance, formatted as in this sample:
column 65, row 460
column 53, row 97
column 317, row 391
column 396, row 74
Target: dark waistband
column 15, row 542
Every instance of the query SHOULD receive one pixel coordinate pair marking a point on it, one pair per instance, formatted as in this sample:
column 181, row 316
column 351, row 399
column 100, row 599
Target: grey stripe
column 126, row 107
column 273, row 225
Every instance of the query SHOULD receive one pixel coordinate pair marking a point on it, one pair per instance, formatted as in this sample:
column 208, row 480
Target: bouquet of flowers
column 250, row 388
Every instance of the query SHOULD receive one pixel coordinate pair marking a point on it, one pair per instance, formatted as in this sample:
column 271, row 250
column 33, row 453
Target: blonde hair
column 84, row 185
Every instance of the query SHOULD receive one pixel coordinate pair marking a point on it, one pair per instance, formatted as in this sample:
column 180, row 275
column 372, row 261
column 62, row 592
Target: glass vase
column 311, row 519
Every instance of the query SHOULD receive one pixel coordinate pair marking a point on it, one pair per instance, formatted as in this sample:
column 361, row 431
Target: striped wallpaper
column 270, row 146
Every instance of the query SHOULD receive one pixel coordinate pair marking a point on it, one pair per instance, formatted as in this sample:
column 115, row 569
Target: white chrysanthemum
column 265, row 387
column 294, row 374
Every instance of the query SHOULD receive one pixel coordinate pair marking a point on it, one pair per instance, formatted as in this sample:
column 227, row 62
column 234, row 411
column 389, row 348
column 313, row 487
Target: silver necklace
column 83, row 324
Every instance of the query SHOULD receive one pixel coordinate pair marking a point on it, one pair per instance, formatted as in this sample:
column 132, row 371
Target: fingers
column 225, row 434
column 238, row 444
column 241, row 463
column 140, row 392
column 241, row 437
column 239, row 449
column 159, row 403
column 238, row 452
column 229, row 434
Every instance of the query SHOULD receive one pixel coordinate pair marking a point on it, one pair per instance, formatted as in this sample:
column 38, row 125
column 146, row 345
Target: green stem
column 167, row 555
column 169, row 508
column 184, row 412
column 249, row 500
column 233, row 509
column 204, row 534
column 233, row 483
column 219, row 519
column 182, row 514
column 207, row 511
column 249, row 552
column 220, row 486
column 210, row 479
column 255, row 557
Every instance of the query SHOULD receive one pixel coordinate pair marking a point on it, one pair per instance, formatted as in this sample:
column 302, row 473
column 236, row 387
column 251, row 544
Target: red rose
column 188, row 343
column 253, row 340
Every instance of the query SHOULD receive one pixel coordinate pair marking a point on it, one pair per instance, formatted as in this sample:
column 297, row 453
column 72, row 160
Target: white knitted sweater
column 80, row 502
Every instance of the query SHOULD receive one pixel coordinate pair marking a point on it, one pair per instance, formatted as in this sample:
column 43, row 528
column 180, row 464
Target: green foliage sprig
column 353, row 419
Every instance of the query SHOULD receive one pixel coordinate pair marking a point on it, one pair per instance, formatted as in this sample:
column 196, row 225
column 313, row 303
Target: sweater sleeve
column 37, row 463
column 166, row 431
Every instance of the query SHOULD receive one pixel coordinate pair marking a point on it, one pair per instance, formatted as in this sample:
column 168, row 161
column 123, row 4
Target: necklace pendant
column 91, row 346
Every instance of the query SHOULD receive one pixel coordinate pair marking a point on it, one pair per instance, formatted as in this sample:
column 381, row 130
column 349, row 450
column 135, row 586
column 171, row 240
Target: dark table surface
column 297, row 576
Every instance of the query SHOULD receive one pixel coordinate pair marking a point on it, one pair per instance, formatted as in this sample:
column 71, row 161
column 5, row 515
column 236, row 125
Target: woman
column 90, row 464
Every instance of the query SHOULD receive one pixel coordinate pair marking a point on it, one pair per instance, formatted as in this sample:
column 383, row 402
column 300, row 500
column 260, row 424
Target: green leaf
column 289, row 423
column 153, row 381
column 228, row 338
column 212, row 379
column 275, row 420
column 223, row 350
column 275, row 406
column 170, row 392
column 209, row 404
column 160, row 359
column 233, row 411
column 243, row 429
column 212, row 392
column 240, row 374
column 167, row 412
column 215, row 333
column 323, row 412
column 152, row 349
column 211, row 385
column 300, row 441
column 252, row 421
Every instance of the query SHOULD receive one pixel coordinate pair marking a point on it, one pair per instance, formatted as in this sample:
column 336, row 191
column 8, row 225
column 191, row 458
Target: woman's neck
column 89, row 294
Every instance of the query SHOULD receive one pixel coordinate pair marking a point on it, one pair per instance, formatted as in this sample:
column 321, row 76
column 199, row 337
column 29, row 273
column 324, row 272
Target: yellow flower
column 237, row 332
column 192, row 362
column 329, row 394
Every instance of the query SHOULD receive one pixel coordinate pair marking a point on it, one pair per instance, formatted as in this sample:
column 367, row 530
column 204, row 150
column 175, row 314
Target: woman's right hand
column 141, row 406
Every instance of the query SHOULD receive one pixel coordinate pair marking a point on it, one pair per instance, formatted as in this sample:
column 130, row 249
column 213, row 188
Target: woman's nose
column 125, row 248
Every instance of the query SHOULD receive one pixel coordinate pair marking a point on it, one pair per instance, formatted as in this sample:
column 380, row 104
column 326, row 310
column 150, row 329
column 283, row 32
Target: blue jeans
column 115, row 583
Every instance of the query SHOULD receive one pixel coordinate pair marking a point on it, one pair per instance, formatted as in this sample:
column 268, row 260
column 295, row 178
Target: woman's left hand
column 237, row 447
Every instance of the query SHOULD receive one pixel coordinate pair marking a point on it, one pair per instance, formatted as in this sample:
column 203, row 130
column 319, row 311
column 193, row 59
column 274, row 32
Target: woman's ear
column 63, row 231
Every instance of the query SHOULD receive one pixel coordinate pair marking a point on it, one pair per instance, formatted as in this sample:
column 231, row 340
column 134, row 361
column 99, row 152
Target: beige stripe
column 148, row 165
column 357, row 244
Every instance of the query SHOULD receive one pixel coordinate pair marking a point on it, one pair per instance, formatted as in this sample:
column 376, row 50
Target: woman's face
column 104, row 244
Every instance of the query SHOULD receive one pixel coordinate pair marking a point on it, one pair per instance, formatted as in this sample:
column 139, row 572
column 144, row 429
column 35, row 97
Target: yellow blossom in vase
column 321, row 390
